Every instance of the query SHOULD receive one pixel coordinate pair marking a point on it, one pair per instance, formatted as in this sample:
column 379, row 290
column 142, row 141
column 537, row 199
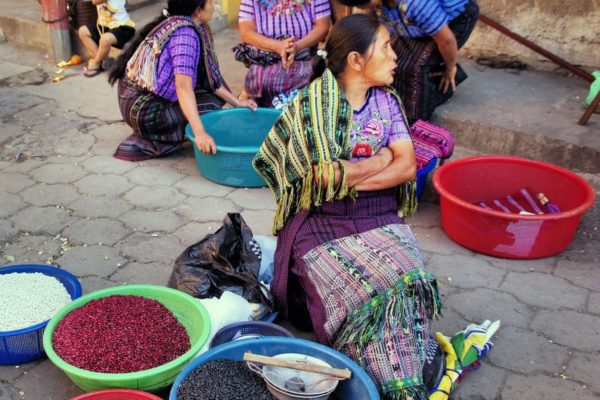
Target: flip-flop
column 91, row 72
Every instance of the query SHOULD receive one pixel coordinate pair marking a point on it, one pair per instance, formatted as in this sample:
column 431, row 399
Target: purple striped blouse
column 378, row 123
column 180, row 56
column 284, row 17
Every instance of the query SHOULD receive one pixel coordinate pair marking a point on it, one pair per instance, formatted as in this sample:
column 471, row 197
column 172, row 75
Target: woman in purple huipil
column 341, row 165
column 168, row 76
column 279, row 37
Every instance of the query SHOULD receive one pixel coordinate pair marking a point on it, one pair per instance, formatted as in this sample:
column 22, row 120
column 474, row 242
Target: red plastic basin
column 462, row 182
column 117, row 394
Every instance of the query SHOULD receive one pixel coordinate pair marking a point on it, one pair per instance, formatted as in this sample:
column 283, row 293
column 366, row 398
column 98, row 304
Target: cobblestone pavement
column 65, row 200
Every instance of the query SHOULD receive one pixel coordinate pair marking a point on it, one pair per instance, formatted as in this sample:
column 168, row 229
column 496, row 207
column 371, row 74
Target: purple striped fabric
column 284, row 17
column 158, row 124
column 180, row 56
column 423, row 18
column 264, row 83
column 378, row 123
column 333, row 220
column 431, row 141
column 348, row 255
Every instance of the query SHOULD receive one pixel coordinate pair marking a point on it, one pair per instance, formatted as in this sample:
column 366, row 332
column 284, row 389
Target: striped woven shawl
column 142, row 67
column 314, row 130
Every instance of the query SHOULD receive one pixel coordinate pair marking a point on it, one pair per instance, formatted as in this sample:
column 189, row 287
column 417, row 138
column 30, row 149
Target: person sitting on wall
column 426, row 36
column 279, row 38
column 113, row 28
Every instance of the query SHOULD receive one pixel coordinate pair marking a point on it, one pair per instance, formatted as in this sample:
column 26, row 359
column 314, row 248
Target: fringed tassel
column 331, row 187
column 425, row 288
column 342, row 189
column 373, row 319
column 387, row 314
column 417, row 392
column 281, row 212
column 317, row 195
column 407, row 198
column 140, row 68
column 306, row 190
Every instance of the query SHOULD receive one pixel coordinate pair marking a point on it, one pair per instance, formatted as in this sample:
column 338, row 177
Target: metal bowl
column 301, row 384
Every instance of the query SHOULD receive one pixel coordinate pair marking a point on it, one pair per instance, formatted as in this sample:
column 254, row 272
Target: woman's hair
column 356, row 32
column 174, row 7
column 354, row 3
column 360, row 3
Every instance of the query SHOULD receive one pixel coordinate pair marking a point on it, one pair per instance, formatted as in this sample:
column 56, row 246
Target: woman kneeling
column 340, row 163
column 167, row 77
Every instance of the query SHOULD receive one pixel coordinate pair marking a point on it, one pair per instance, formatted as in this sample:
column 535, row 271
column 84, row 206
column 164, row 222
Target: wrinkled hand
column 205, row 143
column 448, row 79
column 248, row 103
column 286, row 46
column 291, row 55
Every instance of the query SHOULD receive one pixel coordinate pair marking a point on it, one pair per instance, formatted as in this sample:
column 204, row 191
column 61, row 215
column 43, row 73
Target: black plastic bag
column 222, row 261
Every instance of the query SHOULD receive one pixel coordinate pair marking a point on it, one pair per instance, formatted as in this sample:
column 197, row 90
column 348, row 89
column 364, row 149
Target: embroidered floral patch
column 368, row 138
column 284, row 7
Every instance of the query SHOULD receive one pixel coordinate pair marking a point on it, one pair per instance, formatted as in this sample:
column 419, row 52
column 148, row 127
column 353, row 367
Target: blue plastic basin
column 238, row 133
column 422, row 177
column 359, row 387
column 24, row 345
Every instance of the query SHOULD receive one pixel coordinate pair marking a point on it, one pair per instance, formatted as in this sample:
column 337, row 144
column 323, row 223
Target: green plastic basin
column 188, row 311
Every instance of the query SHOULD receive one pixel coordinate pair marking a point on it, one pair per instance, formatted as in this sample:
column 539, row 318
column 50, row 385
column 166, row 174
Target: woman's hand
column 248, row 103
column 205, row 143
column 284, row 49
column 448, row 79
column 291, row 56
column 448, row 47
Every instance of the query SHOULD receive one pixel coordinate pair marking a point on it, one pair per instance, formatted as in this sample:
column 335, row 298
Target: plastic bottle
column 550, row 208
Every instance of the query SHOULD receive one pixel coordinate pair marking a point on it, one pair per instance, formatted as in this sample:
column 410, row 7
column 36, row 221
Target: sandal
column 91, row 72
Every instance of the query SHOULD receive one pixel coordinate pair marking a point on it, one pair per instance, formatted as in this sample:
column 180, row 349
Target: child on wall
column 113, row 28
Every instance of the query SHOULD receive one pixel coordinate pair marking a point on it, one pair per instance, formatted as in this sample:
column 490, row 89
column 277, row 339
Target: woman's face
column 205, row 14
column 380, row 65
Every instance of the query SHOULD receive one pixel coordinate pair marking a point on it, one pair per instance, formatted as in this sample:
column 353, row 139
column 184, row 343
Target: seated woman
column 279, row 37
column 168, row 76
column 340, row 163
column 426, row 36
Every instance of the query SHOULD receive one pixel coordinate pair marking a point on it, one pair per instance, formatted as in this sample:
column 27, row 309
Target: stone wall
column 568, row 28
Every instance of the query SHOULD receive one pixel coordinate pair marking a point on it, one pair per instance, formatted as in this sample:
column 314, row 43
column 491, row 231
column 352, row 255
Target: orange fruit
column 75, row 60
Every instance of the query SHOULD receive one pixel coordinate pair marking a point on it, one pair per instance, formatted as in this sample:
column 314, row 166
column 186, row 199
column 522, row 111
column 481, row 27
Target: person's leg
column 88, row 41
column 107, row 40
column 158, row 125
column 122, row 34
column 411, row 75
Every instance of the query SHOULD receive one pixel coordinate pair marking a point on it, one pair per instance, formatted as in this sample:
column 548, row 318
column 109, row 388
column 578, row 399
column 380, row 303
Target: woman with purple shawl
column 341, row 164
column 168, row 76
column 279, row 37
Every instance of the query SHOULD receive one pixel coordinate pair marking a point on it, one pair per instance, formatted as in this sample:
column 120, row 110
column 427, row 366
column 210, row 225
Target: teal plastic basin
column 238, row 133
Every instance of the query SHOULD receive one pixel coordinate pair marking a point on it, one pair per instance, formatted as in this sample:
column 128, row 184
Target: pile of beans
column 223, row 380
column 118, row 334
column 29, row 298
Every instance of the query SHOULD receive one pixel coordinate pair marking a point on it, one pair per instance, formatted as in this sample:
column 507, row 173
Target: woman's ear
column 197, row 12
column 355, row 61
